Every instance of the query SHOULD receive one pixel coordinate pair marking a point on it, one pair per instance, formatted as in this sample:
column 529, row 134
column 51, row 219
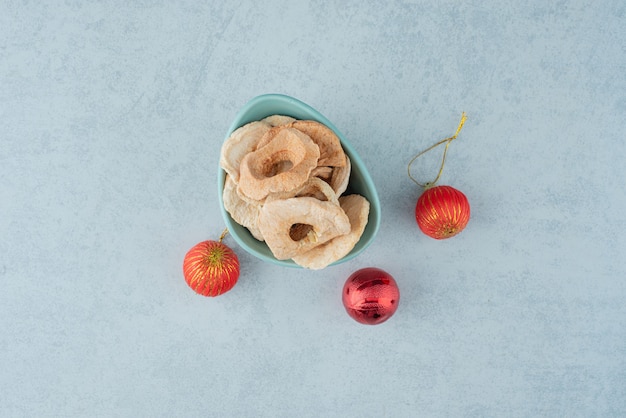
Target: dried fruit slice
column 242, row 141
column 269, row 136
column 341, row 177
column 282, row 165
column 357, row 209
column 294, row 226
column 244, row 212
column 323, row 172
column 331, row 152
column 314, row 187
column 278, row 120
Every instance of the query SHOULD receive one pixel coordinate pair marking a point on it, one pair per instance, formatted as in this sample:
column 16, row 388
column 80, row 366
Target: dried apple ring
column 242, row 141
column 341, row 177
column 322, row 172
column 314, row 187
column 331, row 151
column 294, row 226
column 244, row 212
column 278, row 120
column 357, row 209
column 282, row 165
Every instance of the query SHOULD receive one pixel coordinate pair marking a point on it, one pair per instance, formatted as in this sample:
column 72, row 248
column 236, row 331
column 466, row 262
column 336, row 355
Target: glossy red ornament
column 370, row 296
column 442, row 212
column 211, row 268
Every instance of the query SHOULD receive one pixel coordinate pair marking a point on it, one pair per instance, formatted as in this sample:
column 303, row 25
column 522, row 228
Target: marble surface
column 111, row 119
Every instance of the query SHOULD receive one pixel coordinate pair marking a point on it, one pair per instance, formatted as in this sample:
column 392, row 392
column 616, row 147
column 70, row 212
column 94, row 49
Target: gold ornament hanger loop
column 446, row 141
column 224, row 233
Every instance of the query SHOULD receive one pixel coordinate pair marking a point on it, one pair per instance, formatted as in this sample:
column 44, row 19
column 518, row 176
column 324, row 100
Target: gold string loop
column 446, row 141
column 223, row 234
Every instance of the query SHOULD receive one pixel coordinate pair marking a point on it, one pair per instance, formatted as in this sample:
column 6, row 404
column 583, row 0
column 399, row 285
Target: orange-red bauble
column 442, row 212
column 211, row 268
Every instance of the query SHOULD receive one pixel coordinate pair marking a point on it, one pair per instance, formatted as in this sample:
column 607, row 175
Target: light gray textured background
column 111, row 119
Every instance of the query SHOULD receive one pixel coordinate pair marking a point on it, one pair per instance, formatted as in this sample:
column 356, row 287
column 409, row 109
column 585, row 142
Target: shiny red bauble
column 370, row 296
column 211, row 268
column 442, row 212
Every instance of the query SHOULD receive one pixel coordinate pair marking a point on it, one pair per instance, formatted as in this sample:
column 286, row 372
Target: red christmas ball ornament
column 442, row 212
column 370, row 296
column 211, row 268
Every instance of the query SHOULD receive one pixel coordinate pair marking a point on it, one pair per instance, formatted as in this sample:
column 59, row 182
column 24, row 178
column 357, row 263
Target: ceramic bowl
column 360, row 180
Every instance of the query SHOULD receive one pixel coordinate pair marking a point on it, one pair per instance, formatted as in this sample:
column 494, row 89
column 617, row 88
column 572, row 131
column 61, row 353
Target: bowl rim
column 285, row 100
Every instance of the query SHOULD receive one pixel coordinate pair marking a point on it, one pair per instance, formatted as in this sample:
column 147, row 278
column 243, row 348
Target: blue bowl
column 360, row 181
